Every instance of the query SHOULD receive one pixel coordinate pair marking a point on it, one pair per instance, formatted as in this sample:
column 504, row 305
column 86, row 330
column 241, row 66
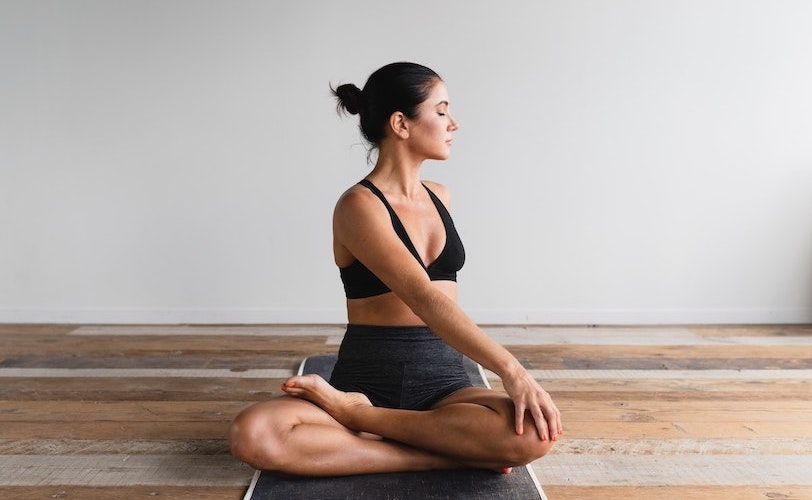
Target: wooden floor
column 98, row 412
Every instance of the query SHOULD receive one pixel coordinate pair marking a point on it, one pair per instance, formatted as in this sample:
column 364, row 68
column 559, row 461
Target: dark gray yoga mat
column 469, row 484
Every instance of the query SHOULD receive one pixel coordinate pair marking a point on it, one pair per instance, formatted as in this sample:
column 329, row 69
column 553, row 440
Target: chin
column 442, row 156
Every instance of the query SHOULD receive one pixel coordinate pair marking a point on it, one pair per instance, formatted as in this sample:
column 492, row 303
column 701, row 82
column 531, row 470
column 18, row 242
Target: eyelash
column 441, row 114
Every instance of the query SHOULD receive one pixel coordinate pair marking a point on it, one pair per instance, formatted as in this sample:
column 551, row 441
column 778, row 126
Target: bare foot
column 338, row 404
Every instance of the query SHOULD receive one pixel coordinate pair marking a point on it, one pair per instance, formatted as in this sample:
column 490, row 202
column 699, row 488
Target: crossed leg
column 318, row 430
column 294, row 436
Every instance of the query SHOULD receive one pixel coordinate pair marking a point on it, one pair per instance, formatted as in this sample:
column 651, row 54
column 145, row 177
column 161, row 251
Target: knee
column 530, row 448
column 252, row 439
column 242, row 436
column 523, row 449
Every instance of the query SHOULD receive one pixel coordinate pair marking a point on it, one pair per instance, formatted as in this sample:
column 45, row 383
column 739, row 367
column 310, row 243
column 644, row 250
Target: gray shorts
column 398, row 367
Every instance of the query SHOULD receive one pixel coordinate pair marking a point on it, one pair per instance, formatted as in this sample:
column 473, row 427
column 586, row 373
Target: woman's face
column 431, row 131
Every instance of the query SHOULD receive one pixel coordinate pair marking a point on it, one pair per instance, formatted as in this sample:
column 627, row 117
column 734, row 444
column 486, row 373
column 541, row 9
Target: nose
column 454, row 125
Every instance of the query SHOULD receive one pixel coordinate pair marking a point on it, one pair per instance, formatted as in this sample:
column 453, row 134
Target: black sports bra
column 360, row 282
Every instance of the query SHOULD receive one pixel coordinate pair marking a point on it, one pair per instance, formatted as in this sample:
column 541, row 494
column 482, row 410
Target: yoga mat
column 467, row 484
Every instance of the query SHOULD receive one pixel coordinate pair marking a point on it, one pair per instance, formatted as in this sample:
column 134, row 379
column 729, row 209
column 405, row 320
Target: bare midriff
column 389, row 310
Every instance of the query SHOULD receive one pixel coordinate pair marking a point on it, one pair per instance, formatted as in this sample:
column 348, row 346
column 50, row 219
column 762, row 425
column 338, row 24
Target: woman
column 399, row 399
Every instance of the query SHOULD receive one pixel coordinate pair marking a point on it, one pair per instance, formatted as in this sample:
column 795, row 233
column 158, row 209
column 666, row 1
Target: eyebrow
column 442, row 102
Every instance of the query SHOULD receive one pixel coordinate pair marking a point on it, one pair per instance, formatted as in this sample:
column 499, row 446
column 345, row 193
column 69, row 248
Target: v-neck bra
column 360, row 282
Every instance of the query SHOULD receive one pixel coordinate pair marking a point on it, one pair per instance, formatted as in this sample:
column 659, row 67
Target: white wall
column 635, row 161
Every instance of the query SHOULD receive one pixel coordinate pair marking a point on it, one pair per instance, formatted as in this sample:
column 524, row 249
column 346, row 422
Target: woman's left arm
column 444, row 316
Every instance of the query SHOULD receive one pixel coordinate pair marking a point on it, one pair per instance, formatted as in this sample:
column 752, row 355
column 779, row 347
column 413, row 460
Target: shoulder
column 358, row 207
column 356, row 198
column 441, row 191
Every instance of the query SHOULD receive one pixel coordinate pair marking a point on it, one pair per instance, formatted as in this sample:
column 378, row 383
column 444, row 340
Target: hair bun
column 350, row 98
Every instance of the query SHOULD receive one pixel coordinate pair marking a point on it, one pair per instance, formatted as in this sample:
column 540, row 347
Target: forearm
column 449, row 321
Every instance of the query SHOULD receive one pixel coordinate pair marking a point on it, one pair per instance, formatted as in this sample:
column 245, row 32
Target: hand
column 527, row 395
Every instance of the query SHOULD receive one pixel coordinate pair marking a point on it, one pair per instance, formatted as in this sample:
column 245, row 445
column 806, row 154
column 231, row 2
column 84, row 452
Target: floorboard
column 123, row 492
column 142, row 411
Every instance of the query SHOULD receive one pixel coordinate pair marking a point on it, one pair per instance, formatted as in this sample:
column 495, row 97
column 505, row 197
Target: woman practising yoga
column 399, row 398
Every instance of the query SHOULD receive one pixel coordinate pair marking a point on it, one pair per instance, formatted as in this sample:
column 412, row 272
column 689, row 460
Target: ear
column 399, row 124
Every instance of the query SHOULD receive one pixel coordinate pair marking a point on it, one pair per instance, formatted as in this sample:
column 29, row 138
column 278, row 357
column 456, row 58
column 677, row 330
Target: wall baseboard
column 174, row 316
column 641, row 316
column 338, row 316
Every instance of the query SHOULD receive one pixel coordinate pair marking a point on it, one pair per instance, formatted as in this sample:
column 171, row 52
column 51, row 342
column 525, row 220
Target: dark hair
column 400, row 86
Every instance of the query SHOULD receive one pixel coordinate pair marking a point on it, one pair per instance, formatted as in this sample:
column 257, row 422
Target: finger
column 519, row 418
column 541, row 423
column 553, row 427
column 554, row 420
column 553, row 417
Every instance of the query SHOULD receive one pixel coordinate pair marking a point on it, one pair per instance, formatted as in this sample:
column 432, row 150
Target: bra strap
column 396, row 224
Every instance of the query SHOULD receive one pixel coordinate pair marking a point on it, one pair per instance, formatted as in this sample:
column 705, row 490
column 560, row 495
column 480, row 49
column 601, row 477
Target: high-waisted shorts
column 398, row 367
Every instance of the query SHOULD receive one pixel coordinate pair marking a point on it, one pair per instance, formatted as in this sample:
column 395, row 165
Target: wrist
column 511, row 369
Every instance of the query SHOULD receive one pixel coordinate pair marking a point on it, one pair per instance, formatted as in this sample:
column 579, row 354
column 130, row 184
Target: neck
column 397, row 174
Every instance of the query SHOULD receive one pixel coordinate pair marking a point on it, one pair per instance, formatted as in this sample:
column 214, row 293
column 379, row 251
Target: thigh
column 495, row 400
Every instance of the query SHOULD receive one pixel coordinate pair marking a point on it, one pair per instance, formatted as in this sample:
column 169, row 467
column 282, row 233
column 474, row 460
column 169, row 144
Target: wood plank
column 233, row 361
column 723, row 331
column 289, row 330
column 114, row 411
column 35, row 329
column 682, row 428
column 761, row 375
column 665, row 351
column 703, row 407
column 130, row 373
column 118, row 470
column 663, row 357
column 674, row 390
column 61, row 446
column 15, row 344
column 116, row 430
column 139, row 389
column 687, row 396
column 618, row 336
column 226, row 360
column 674, row 470
column 26, row 351
column 769, row 445
column 127, row 492
column 692, row 492
column 780, row 412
